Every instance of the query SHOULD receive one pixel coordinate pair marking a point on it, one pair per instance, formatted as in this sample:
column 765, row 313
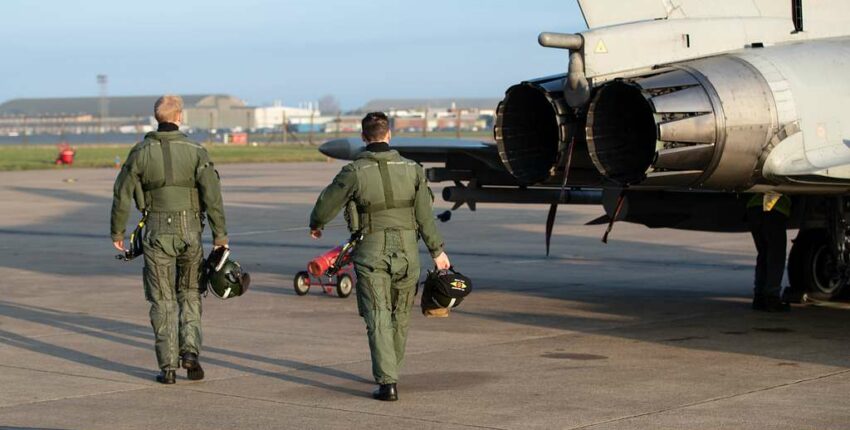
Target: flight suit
column 394, row 208
column 179, row 185
column 768, row 219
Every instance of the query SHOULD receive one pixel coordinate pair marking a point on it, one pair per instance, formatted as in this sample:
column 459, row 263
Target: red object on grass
column 66, row 154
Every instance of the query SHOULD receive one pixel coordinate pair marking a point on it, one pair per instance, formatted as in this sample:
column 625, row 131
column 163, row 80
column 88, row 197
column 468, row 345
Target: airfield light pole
column 425, row 123
column 312, row 116
column 284, row 128
column 248, row 124
column 210, row 130
column 103, row 102
column 24, row 131
column 457, row 122
column 338, row 123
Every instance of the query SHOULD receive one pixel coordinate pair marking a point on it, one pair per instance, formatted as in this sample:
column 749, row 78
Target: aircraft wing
column 463, row 159
column 417, row 149
column 603, row 13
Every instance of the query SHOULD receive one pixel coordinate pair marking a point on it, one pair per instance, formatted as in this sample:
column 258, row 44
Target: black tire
column 301, row 283
column 344, row 285
column 811, row 267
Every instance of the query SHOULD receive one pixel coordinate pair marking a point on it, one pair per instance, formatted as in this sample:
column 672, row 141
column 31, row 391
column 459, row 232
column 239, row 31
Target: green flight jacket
column 174, row 174
column 406, row 204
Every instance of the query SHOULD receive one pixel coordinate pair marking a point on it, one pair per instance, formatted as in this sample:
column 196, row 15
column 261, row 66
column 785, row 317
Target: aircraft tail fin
column 603, row 13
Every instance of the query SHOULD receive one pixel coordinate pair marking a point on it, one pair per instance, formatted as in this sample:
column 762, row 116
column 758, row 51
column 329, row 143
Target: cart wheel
column 344, row 284
column 301, row 283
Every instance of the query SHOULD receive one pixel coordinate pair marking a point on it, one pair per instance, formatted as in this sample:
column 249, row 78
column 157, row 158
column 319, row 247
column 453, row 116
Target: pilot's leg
column 755, row 220
column 159, row 280
column 405, row 275
column 189, row 297
column 189, row 300
column 373, row 302
column 776, row 240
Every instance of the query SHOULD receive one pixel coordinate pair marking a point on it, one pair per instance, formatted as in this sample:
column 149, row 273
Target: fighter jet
column 669, row 112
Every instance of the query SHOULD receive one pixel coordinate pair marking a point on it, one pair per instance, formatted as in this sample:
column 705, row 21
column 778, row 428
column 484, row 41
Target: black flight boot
column 167, row 377
column 194, row 371
column 386, row 392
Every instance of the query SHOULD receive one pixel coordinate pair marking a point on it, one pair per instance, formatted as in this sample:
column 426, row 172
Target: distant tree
column 328, row 104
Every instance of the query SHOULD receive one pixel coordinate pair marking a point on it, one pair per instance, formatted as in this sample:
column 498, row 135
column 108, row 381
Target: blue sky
column 291, row 50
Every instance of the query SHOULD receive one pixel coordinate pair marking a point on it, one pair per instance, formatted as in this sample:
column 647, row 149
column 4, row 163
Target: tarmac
column 652, row 331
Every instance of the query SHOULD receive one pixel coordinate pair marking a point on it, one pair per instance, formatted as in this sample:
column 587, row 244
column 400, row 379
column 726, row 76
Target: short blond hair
column 168, row 108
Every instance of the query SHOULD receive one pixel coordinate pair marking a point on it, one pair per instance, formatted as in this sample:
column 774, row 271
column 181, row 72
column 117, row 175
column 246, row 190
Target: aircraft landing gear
column 819, row 261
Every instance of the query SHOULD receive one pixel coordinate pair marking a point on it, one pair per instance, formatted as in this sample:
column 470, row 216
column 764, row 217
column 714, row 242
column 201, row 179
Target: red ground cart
column 333, row 271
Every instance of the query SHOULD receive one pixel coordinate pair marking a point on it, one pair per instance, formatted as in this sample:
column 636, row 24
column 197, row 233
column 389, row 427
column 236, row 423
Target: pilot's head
column 169, row 108
column 376, row 128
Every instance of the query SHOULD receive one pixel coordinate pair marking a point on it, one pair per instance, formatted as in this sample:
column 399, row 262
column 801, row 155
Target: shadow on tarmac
column 811, row 334
column 697, row 320
column 139, row 336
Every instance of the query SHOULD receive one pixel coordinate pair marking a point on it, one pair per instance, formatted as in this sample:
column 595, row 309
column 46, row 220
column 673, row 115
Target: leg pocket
column 365, row 296
column 372, row 289
column 149, row 283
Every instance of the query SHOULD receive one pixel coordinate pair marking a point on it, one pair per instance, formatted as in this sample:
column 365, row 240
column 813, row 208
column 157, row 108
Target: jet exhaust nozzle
column 696, row 124
column 532, row 126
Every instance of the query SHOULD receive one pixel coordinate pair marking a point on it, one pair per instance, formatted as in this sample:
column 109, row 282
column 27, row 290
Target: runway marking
column 773, row 329
column 685, row 339
column 715, row 399
column 136, row 386
column 72, row 375
column 515, row 341
column 328, row 408
column 572, row 356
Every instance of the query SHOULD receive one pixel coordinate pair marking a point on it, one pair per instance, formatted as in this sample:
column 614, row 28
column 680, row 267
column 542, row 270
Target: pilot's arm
column 424, row 211
column 209, row 190
column 123, row 193
column 332, row 199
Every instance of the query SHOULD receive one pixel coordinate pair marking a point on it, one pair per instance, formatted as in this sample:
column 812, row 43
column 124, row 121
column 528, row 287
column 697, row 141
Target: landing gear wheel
column 301, row 283
column 344, row 285
column 812, row 268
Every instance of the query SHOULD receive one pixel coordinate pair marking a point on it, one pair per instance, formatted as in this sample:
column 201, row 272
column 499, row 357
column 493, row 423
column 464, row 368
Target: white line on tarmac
column 279, row 230
column 281, row 402
column 715, row 399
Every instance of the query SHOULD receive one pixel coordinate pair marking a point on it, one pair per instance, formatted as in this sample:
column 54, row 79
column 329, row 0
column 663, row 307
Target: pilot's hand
column 442, row 262
column 119, row 245
column 217, row 247
column 316, row 233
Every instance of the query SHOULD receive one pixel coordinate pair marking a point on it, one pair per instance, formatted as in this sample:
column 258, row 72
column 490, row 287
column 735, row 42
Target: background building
column 223, row 113
column 415, row 115
column 133, row 114
column 272, row 117
column 391, row 106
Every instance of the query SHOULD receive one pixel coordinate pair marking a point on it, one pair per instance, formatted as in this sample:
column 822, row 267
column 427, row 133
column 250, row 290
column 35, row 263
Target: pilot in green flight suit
column 179, row 185
column 394, row 206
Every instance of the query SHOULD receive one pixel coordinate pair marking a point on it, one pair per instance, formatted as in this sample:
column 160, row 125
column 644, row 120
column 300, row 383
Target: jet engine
column 696, row 124
column 700, row 124
column 532, row 126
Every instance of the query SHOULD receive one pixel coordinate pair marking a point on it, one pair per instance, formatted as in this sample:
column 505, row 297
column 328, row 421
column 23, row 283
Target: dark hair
column 376, row 125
